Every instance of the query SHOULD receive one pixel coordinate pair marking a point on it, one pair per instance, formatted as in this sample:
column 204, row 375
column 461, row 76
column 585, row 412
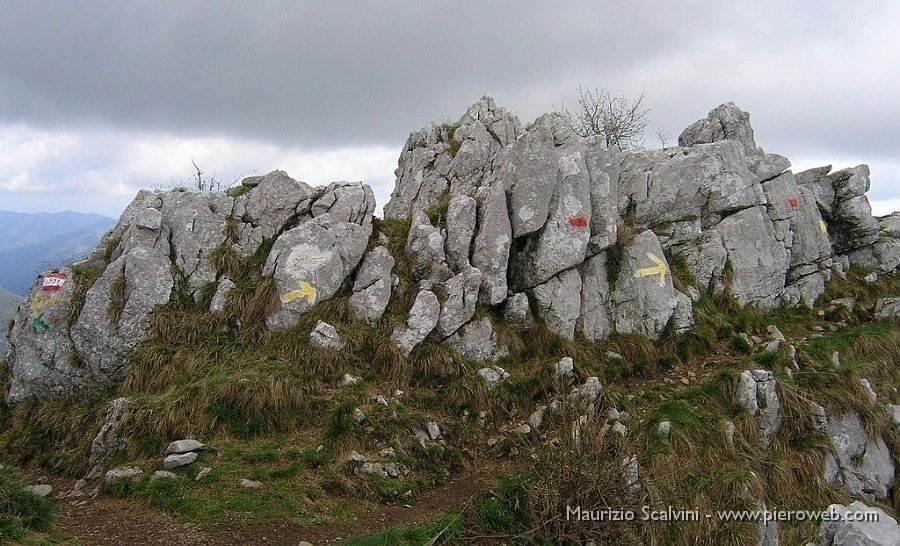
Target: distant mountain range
column 8, row 304
column 33, row 243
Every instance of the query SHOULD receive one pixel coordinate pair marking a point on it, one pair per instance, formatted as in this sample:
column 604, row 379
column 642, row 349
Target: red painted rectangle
column 54, row 282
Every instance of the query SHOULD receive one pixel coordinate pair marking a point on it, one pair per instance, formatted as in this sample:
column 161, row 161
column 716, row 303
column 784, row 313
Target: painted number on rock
column 578, row 221
column 794, row 203
column 54, row 282
column 660, row 269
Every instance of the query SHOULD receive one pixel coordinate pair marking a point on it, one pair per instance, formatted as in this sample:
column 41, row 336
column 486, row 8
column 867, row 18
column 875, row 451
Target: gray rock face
column 423, row 317
column 267, row 208
column 478, row 341
column 757, row 392
column 759, row 262
column 559, row 302
column 887, row 307
column 517, row 313
column 861, row 465
column 461, row 293
column 841, row 530
column 220, row 298
column 493, row 376
column 643, row 298
column 490, row 253
column 325, row 336
column 725, row 122
column 461, row 216
column 109, row 440
column 310, row 263
column 594, row 320
column 61, row 352
column 447, row 157
column 372, row 288
column 712, row 180
column 562, row 216
column 425, row 245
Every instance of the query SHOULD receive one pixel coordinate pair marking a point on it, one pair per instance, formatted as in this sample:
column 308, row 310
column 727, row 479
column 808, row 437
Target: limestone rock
column 423, row 317
column 478, row 340
column 559, row 303
column 41, row 490
column 310, row 263
column 563, row 222
column 450, row 157
column 493, row 376
column 461, row 216
column 594, row 320
column 163, row 475
column 842, row 530
column 726, row 121
column 461, row 296
column 643, row 298
column 887, row 307
column 683, row 314
column 220, row 297
column 266, row 209
column 372, row 287
column 490, row 251
column 862, row 465
column 250, row 484
column 565, row 367
column 759, row 262
column 109, row 440
column 325, row 336
column 425, row 246
column 122, row 473
column 352, row 202
column 184, row 446
column 179, row 459
column 757, row 392
column 517, row 313
column 712, row 180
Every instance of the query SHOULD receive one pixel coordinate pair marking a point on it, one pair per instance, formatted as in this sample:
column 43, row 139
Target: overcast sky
column 100, row 99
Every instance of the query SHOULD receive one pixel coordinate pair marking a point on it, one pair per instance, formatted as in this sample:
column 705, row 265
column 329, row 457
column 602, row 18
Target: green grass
column 446, row 530
column 20, row 510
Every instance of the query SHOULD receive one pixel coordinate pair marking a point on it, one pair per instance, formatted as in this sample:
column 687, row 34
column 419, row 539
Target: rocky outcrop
column 534, row 222
column 858, row 525
column 373, row 284
column 861, row 465
column 81, row 324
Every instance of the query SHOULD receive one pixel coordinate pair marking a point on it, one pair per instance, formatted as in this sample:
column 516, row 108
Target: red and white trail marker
column 54, row 282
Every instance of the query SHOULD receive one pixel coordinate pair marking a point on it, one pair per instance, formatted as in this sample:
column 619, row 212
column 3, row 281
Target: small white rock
column 358, row 416
column 434, row 431
column 250, row 484
column 163, row 475
column 184, row 446
column 41, row 490
column 204, row 472
column 179, row 459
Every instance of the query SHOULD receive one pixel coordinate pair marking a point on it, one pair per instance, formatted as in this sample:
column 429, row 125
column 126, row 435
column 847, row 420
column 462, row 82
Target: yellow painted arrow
column 660, row 269
column 306, row 290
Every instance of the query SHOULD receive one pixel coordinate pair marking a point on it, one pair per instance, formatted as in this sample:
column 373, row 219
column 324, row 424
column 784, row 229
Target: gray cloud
column 819, row 77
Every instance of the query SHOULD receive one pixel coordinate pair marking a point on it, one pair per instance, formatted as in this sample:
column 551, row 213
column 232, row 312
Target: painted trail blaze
column 54, row 282
column 794, row 203
column 578, row 221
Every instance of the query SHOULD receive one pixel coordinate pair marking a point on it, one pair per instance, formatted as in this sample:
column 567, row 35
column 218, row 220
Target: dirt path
column 111, row 521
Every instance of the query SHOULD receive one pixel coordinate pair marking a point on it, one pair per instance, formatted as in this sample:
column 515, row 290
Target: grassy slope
column 8, row 304
column 272, row 408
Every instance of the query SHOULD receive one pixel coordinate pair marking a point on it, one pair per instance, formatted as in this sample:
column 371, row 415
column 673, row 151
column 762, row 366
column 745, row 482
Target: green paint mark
column 38, row 322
